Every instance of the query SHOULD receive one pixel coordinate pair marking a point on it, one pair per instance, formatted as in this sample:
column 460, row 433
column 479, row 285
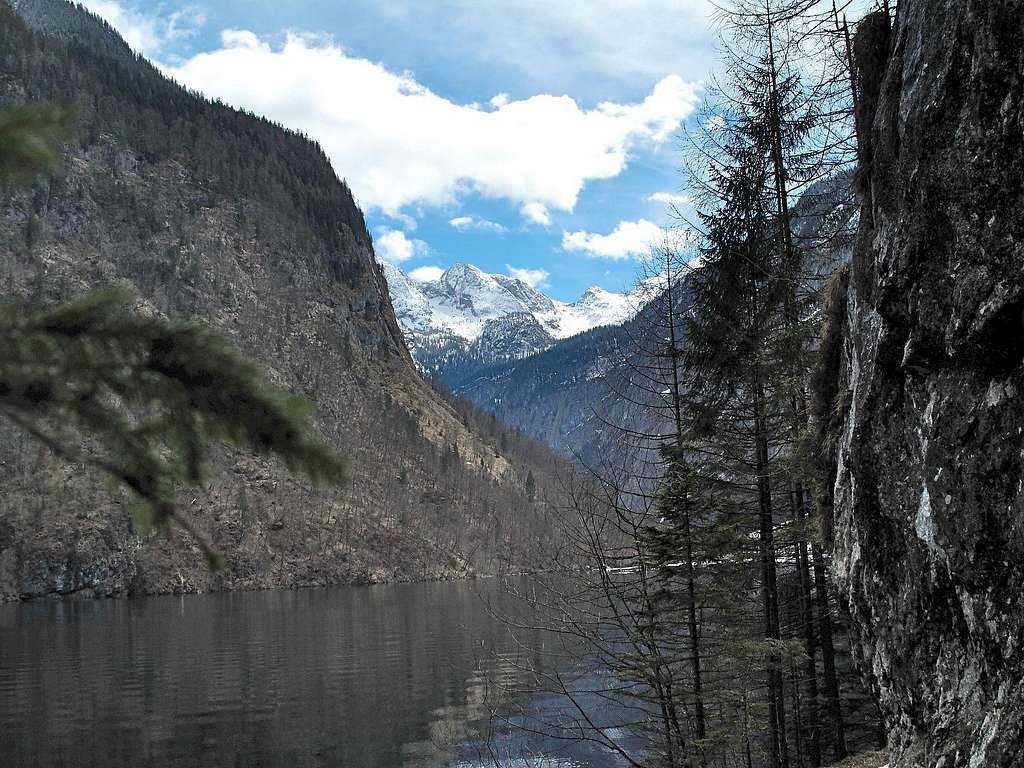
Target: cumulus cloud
column 463, row 223
column 535, row 278
column 670, row 198
column 397, row 143
column 629, row 239
column 426, row 274
column 537, row 213
column 242, row 38
column 391, row 245
column 147, row 33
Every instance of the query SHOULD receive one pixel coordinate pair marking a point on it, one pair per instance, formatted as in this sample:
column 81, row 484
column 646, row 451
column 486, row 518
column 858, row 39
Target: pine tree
column 775, row 137
column 733, row 328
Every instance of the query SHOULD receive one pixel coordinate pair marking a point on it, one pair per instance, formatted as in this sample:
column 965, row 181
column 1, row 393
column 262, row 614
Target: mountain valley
column 765, row 508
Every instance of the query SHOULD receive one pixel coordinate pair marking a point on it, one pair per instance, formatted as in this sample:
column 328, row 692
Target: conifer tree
column 780, row 128
column 731, row 334
column 805, row 130
column 695, row 542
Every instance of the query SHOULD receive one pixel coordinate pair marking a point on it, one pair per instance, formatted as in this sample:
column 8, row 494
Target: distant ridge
column 467, row 317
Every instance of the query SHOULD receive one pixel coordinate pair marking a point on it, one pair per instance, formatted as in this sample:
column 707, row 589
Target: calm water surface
column 374, row 677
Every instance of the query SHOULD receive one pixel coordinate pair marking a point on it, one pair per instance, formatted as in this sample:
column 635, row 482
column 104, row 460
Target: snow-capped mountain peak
column 526, row 293
column 411, row 305
column 605, row 307
column 483, row 295
column 464, row 302
column 461, row 279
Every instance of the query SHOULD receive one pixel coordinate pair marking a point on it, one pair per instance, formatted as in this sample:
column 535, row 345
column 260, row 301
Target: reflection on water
column 381, row 677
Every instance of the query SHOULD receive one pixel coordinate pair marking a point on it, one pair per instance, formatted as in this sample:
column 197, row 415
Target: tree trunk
column 698, row 694
column 811, row 719
column 828, row 656
column 769, row 588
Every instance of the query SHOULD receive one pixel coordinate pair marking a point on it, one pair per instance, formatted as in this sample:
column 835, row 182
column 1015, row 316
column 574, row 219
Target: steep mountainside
column 929, row 493
column 509, row 338
column 560, row 396
column 212, row 214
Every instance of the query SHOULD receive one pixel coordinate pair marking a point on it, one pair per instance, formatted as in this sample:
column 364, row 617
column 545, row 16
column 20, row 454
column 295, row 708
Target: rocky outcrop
column 929, row 491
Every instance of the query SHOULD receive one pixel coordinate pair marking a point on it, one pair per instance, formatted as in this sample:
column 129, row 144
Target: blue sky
column 526, row 137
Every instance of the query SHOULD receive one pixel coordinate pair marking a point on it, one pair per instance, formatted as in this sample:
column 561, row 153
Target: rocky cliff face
column 220, row 217
column 929, row 492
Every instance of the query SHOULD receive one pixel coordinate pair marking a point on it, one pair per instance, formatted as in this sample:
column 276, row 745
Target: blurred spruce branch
column 30, row 136
column 139, row 397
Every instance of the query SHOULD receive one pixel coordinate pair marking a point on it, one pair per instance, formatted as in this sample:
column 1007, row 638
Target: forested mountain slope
column 216, row 215
column 560, row 396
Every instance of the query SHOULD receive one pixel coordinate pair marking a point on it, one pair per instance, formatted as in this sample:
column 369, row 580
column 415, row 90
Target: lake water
column 354, row 677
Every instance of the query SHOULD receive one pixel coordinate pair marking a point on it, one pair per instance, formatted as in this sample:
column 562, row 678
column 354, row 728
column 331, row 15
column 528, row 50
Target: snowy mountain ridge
column 465, row 299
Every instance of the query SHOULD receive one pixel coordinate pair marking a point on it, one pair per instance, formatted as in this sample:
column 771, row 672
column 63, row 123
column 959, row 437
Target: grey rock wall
column 929, row 506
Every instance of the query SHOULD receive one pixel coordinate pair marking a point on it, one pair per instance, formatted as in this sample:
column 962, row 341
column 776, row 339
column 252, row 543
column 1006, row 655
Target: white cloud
column 147, row 33
column 397, row 143
column 592, row 48
column 628, row 239
column 537, row 213
column 535, row 278
column 393, row 246
column 463, row 223
column 408, row 222
column 242, row 38
column 670, row 198
column 426, row 274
